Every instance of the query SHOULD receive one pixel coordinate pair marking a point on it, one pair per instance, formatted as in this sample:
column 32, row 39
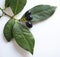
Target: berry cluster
column 28, row 18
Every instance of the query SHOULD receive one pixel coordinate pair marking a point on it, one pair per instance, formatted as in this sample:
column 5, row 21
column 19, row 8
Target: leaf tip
column 32, row 52
column 54, row 8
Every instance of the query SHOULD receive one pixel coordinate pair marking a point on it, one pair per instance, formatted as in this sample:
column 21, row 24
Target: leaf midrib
column 41, row 11
column 16, row 6
column 25, row 38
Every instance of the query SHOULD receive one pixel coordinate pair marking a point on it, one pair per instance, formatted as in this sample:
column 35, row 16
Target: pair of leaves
column 21, row 33
column 41, row 12
column 16, row 5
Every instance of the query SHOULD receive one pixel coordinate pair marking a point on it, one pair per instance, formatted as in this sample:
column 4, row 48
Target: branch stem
column 5, row 13
column 21, row 20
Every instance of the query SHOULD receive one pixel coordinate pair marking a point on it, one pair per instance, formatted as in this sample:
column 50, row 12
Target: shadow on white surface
column 11, row 45
column 21, row 51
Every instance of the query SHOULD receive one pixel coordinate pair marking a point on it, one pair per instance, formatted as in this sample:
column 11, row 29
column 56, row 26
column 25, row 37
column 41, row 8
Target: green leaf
column 7, row 3
column 16, row 5
column 23, row 37
column 41, row 12
column 8, row 29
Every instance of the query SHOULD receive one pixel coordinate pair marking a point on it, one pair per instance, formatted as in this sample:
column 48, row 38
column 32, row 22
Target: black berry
column 29, row 24
column 28, row 18
column 27, row 13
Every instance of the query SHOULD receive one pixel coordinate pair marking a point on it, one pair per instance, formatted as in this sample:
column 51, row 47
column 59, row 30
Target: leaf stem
column 22, row 20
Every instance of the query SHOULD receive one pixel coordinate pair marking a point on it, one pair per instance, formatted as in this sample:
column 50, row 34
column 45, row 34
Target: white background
column 46, row 34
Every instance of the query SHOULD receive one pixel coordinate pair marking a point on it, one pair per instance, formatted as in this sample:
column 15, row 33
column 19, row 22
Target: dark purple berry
column 29, row 24
column 27, row 13
column 28, row 18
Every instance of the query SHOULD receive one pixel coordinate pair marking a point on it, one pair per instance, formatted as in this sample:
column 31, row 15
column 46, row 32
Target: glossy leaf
column 23, row 37
column 8, row 29
column 17, row 5
column 41, row 12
